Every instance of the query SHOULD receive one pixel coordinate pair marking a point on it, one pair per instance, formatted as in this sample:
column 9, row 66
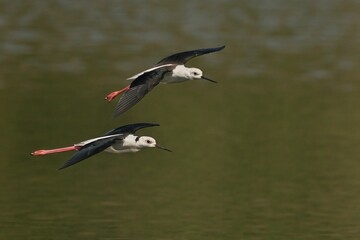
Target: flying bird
column 171, row 69
column 118, row 140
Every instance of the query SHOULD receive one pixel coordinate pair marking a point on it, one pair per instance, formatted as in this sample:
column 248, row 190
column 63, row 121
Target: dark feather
column 129, row 99
column 90, row 150
column 139, row 88
column 131, row 128
column 183, row 57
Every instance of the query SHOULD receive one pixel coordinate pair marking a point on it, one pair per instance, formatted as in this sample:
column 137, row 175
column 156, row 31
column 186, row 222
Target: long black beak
column 162, row 148
column 205, row 78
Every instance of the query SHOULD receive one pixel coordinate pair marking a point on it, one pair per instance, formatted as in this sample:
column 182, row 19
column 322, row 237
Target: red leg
column 113, row 95
column 56, row 150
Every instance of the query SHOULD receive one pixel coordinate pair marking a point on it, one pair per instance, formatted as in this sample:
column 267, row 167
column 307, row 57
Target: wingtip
column 153, row 124
column 216, row 49
column 62, row 167
column 116, row 114
column 65, row 165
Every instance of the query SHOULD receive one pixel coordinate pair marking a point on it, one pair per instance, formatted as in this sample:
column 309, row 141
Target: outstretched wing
column 91, row 149
column 131, row 128
column 139, row 88
column 183, row 57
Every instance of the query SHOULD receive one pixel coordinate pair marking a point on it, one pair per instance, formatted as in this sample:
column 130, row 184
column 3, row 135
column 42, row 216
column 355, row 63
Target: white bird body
column 129, row 144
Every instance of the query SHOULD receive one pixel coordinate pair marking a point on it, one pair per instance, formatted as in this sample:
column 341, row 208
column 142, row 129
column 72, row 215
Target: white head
column 145, row 141
column 195, row 73
column 148, row 142
column 182, row 73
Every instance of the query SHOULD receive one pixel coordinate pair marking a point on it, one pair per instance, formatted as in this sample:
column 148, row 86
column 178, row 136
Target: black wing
column 131, row 128
column 183, row 57
column 91, row 149
column 139, row 88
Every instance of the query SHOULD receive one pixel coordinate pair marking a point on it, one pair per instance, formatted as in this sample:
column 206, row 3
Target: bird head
column 145, row 141
column 196, row 73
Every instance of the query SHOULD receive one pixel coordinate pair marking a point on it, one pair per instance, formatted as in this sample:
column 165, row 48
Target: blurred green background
column 270, row 152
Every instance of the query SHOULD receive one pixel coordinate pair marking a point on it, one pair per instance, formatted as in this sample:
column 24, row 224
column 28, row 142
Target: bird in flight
column 171, row 69
column 118, row 140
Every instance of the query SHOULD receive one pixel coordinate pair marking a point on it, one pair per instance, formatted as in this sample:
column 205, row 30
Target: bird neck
column 130, row 141
column 180, row 73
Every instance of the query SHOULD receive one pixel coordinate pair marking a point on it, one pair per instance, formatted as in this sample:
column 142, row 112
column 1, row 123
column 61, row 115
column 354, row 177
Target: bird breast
column 178, row 74
column 128, row 144
column 116, row 149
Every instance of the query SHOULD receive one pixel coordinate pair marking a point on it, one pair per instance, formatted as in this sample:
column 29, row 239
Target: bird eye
column 195, row 73
column 148, row 141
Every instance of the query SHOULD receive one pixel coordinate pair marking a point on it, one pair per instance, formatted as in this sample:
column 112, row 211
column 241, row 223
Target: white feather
column 148, row 70
column 83, row 143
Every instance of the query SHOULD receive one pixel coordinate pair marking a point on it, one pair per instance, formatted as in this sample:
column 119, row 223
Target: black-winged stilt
column 171, row 69
column 119, row 140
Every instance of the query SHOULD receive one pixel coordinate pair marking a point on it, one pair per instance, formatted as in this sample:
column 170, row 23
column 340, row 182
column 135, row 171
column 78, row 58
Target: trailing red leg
column 56, row 150
column 113, row 95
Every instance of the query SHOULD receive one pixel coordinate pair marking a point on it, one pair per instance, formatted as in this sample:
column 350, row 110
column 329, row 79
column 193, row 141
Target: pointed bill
column 162, row 148
column 208, row 79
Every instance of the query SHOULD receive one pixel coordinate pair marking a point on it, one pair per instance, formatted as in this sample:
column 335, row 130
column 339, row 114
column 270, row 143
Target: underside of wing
column 129, row 99
column 183, row 57
column 91, row 149
column 139, row 88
